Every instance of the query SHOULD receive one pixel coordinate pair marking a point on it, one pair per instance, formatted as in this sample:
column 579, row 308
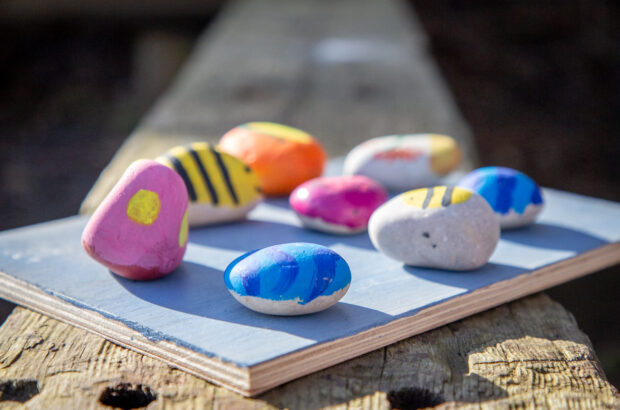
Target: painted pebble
column 401, row 162
column 283, row 157
column 441, row 227
column 221, row 188
column 288, row 279
column 514, row 196
column 140, row 229
column 337, row 204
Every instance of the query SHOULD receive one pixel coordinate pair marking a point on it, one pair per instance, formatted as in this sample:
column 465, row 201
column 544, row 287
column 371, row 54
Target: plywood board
column 189, row 319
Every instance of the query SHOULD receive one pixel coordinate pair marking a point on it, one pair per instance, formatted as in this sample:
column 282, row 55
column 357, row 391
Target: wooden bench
column 345, row 70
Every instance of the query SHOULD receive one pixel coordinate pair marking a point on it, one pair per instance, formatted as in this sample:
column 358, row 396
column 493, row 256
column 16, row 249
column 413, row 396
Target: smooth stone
column 440, row 227
column 221, row 187
column 288, row 279
column 340, row 205
column 140, row 229
column 516, row 198
column 282, row 156
column 402, row 162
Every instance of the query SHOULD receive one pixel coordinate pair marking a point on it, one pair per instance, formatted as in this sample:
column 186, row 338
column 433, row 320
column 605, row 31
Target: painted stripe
column 205, row 176
column 225, row 175
column 288, row 268
column 536, row 196
column 447, row 197
column 505, row 188
column 208, row 159
column 429, row 196
column 251, row 283
column 324, row 273
column 178, row 167
column 436, row 199
column 184, row 155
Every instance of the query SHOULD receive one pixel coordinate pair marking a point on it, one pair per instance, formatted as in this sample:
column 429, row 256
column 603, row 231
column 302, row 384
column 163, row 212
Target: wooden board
column 189, row 320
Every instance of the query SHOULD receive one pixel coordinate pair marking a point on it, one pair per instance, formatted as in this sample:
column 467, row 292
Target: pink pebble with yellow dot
column 140, row 229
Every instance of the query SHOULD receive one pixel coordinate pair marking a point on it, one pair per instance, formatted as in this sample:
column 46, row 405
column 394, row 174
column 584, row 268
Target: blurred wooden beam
column 344, row 70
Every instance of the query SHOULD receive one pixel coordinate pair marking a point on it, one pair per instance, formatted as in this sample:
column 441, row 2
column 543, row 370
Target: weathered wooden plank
column 293, row 68
column 345, row 71
column 524, row 354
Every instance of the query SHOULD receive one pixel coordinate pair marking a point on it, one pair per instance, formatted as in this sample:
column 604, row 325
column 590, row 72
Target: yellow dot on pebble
column 143, row 207
column 183, row 231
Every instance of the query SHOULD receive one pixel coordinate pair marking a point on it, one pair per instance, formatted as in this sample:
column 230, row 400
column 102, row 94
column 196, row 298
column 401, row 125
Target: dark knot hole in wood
column 127, row 396
column 18, row 390
column 412, row 398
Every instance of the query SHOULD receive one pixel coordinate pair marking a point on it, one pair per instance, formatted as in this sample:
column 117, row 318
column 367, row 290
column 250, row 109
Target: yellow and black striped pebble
column 434, row 197
column 211, row 176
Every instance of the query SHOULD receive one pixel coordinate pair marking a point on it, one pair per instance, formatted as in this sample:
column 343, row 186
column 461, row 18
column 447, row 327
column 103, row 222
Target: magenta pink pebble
column 140, row 229
column 337, row 204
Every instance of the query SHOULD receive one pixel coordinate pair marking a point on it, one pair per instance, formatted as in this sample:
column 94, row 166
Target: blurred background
column 538, row 83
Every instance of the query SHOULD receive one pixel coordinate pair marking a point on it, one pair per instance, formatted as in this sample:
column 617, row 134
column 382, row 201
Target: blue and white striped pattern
column 298, row 272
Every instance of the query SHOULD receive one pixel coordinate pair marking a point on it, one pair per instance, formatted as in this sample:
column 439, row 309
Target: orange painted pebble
column 283, row 157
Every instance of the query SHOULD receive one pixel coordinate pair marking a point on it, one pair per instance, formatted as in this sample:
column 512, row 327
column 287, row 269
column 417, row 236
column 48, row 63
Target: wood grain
column 260, row 61
column 524, row 354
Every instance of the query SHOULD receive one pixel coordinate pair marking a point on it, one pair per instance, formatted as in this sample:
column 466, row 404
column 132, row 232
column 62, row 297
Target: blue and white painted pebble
column 515, row 197
column 439, row 227
column 288, row 279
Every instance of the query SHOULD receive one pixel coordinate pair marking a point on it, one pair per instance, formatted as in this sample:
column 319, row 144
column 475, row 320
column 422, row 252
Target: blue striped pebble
column 505, row 189
column 299, row 272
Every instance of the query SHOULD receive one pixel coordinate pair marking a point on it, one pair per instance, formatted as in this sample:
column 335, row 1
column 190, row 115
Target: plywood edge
column 216, row 371
column 262, row 377
column 275, row 372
